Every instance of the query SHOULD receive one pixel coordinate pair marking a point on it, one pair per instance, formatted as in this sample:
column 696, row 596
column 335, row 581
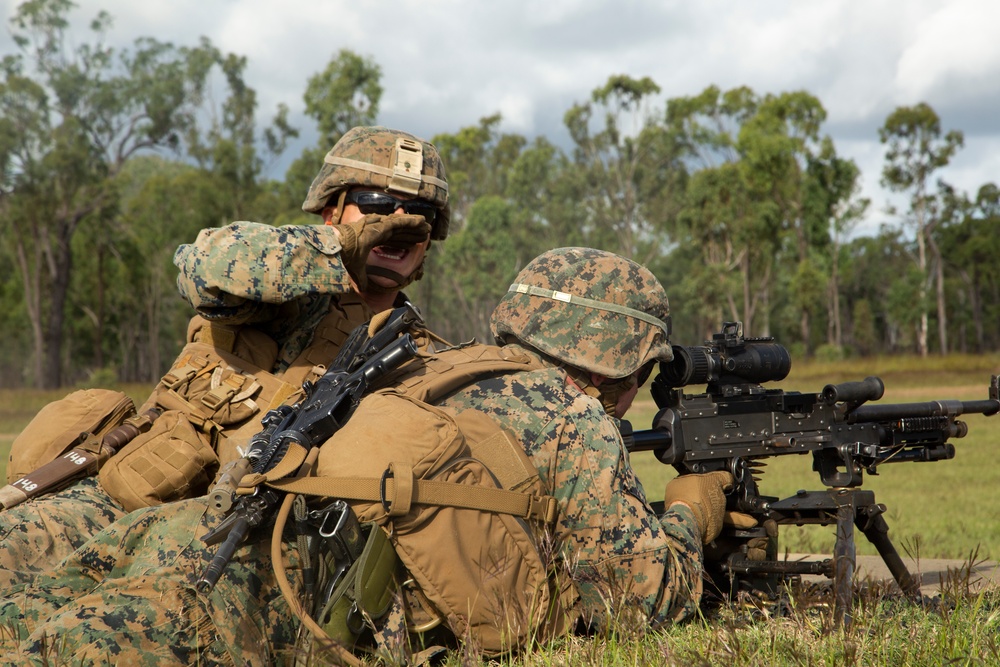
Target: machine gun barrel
column 895, row 411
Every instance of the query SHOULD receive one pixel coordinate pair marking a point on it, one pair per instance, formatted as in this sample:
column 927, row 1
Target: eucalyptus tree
column 971, row 245
column 915, row 150
column 345, row 94
column 480, row 261
column 778, row 143
column 727, row 230
column 478, row 159
column 882, row 292
column 615, row 137
column 764, row 190
column 832, row 200
column 71, row 118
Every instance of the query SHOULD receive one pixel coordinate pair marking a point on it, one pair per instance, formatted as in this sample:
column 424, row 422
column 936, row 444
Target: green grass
column 963, row 629
column 948, row 507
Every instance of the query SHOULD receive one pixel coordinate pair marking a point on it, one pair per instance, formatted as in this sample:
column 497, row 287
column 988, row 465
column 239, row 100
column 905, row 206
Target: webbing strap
column 374, row 168
column 426, row 492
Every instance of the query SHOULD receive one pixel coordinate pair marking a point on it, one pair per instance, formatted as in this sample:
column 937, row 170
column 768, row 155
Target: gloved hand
column 705, row 495
column 359, row 237
column 757, row 546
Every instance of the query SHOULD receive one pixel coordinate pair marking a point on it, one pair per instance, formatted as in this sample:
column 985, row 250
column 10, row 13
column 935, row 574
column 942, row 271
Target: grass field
column 946, row 509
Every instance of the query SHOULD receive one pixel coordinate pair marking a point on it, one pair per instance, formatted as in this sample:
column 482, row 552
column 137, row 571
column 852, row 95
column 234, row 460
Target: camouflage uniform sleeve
column 243, row 272
column 628, row 559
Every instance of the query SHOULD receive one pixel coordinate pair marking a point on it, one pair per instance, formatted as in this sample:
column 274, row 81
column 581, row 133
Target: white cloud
column 957, row 40
column 448, row 63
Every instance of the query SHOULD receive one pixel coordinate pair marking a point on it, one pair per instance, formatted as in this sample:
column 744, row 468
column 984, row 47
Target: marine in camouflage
column 623, row 557
column 284, row 281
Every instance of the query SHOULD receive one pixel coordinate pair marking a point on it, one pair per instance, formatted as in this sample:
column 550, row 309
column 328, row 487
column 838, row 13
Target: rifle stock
column 78, row 462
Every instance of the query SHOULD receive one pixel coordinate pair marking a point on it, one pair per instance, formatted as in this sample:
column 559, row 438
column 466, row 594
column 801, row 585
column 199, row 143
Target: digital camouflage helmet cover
column 385, row 159
column 590, row 309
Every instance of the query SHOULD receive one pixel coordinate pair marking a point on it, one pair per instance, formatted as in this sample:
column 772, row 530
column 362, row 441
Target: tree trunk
column 99, row 324
column 31, row 278
column 61, row 269
column 942, row 312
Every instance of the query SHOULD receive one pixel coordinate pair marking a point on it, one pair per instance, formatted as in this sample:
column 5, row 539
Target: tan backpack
column 458, row 500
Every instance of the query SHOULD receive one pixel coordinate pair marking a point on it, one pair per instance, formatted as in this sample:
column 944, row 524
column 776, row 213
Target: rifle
column 737, row 423
column 327, row 405
column 83, row 460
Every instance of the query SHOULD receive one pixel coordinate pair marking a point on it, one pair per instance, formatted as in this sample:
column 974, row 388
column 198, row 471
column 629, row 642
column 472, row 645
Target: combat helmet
column 387, row 159
column 587, row 308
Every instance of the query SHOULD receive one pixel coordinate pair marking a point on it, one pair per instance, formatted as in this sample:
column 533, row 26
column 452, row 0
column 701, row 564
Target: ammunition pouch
column 169, row 462
column 209, row 399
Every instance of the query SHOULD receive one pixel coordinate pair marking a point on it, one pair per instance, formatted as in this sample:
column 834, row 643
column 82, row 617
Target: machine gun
column 328, row 403
column 736, row 423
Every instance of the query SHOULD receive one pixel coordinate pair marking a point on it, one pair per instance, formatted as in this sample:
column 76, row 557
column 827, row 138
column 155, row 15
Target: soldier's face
column 403, row 261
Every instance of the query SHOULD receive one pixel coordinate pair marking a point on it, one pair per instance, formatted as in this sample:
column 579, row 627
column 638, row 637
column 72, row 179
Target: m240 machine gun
column 737, row 424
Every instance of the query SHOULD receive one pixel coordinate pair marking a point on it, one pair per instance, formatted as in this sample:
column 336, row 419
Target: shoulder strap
column 402, row 490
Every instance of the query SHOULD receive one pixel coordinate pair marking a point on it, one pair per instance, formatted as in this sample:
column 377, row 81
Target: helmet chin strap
column 607, row 393
column 398, row 278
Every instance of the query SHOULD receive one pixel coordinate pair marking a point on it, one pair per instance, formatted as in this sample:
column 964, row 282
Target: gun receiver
column 736, row 424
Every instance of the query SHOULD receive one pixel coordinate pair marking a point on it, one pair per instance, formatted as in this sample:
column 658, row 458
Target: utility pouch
column 168, row 462
column 365, row 592
column 60, row 426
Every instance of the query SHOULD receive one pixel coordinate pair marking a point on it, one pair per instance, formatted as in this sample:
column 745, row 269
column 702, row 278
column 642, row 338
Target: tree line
column 737, row 200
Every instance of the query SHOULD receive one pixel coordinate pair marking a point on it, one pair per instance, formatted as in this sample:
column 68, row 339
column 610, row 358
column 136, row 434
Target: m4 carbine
column 363, row 361
column 737, row 423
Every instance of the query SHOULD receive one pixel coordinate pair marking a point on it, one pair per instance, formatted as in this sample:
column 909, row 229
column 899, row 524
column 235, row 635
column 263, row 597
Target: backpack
column 456, row 514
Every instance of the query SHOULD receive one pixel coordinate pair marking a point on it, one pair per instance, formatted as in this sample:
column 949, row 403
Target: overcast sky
column 448, row 63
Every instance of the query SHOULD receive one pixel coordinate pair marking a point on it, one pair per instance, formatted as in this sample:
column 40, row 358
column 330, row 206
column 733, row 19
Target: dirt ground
column 932, row 573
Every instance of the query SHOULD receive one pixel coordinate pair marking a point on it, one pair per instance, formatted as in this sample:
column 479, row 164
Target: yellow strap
column 288, row 465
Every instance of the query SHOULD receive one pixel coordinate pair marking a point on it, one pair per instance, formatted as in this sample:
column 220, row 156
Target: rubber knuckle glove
column 705, row 495
column 359, row 237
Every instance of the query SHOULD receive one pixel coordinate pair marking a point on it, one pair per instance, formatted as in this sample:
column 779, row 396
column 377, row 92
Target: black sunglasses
column 382, row 204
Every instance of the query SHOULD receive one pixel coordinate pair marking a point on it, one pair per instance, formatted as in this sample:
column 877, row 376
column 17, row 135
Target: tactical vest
column 212, row 399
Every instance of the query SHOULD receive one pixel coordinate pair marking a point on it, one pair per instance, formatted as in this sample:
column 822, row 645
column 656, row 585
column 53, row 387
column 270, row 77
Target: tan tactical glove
column 705, row 495
column 757, row 546
column 359, row 237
